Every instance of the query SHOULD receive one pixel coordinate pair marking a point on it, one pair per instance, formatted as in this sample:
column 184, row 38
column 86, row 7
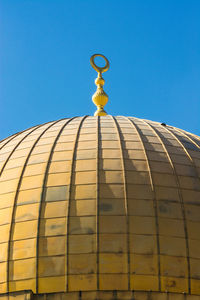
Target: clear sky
column 153, row 48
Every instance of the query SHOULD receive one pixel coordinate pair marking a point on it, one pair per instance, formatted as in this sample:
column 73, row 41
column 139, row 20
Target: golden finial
column 100, row 98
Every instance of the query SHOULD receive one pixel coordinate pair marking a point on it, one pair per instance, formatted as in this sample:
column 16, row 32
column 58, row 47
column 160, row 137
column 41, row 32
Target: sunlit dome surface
column 108, row 204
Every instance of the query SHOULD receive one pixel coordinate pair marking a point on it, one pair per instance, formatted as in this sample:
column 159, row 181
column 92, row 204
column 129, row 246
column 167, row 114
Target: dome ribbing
column 100, row 203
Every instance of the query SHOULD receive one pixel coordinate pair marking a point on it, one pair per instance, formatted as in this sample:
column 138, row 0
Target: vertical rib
column 154, row 200
column 15, row 199
column 180, row 196
column 70, row 191
column 125, row 194
column 43, row 195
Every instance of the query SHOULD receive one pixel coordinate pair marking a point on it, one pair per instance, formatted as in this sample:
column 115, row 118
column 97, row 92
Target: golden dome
column 107, row 204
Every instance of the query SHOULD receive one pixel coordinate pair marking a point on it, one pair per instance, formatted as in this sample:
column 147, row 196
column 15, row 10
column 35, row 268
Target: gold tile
column 142, row 225
column 20, row 285
column 167, row 193
column 171, row 227
column 173, row 266
column 85, row 165
column 83, row 192
column 54, row 209
column 195, row 287
column 60, row 166
column 164, row 179
column 140, row 191
column 29, row 196
column 177, row 246
column 51, row 266
column 116, row 243
column 82, row 225
column 5, row 215
column 193, row 230
column 34, row 169
column 112, row 207
column 3, row 252
column 4, row 233
column 38, row 158
column 3, row 288
column 24, row 232
column 194, row 246
column 51, row 284
column 86, row 154
column 82, row 263
column 143, row 244
column 23, row 249
column 195, row 268
column 110, row 153
column 6, row 200
column 49, row 246
column 137, row 177
column 144, row 282
column 111, row 177
column 110, row 164
column 8, row 186
column 26, row 212
column 83, row 208
column 56, row 226
column 62, row 155
column 11, row 173
column 144, row 264
column 82, row 243
column 113, row 281
column 82, row 282
column 42, row 149
column 111, row 191
column 57, row 193
column 3, row 272
column 58, row 179
column 192, row 212
column 173, row 284
column 135, row 165
column 32, row 182
column 113, row 263
column 89, row 177
column 141, row 207
column 22, row 269
column 169, row 209
column 112, row 224
column 189, row 182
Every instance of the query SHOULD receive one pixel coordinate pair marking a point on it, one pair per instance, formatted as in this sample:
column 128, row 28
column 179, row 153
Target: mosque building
column 100, row 208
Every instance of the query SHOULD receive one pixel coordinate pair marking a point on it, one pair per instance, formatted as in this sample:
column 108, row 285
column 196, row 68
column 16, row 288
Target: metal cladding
column 100, row 204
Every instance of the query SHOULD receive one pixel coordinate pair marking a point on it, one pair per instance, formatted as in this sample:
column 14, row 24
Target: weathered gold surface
column 100, row 98
column 101, row 203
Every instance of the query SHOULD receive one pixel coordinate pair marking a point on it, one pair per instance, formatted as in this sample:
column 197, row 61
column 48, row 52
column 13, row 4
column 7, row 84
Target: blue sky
column 153, row 48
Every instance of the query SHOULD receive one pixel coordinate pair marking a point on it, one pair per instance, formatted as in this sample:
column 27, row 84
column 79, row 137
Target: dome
column 100, row 208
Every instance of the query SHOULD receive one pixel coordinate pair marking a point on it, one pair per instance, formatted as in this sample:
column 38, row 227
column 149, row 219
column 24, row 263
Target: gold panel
column 143, row 244
column 51, row 284
column 82, row 243
column 36, row 169
column 177, row 246
column 83, row 208
column 173, row 266
column 171, row 227
column 54, row 245
column 3, row 252
column 113, row 243
column 173, row 284
column 85, row 165
column 60, row 166
column 58, row 179
column 113, row 281
column 20, row 285
column 32, row 182
column 57, row 193
column 26, row 212
column 82, row 282
column 51, row 266
column 141, row 207
column 112, row 207
column 24, row 232
column 6, row 200
column 56, row 226
column 4, row 233
column 142, row 225
column 54, row 209
column 3, row 274
column 23, row 249
column 113, row 263
column 82, row 225
column 112, row 224
column 8, row 186
column 22, row 269
column 144, row 264
column 144, row 282
column 5, row 215
column 82, row 263
column 29, row 196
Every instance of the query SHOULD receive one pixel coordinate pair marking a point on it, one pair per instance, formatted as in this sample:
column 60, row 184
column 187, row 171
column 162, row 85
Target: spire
column 100, row 98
